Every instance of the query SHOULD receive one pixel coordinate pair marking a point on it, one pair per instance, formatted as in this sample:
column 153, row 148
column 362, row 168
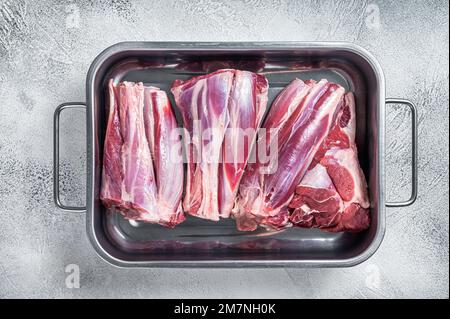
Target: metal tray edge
column 287, row 45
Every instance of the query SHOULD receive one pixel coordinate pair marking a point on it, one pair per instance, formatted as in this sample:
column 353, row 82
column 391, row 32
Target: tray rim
column 234, row 46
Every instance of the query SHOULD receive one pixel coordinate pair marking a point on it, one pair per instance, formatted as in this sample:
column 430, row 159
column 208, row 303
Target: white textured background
column 46, row 48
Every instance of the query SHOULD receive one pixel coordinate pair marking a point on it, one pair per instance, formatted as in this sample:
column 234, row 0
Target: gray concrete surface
column 46, row 48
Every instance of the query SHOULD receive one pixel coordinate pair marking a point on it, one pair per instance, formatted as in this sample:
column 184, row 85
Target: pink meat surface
column 138, row 184
column 111, row 190
column 132, row 183
column 165, row 146
column 216, row 108
column 333, row 194
column 203, row 103
column 299, row 120
column 246, row 107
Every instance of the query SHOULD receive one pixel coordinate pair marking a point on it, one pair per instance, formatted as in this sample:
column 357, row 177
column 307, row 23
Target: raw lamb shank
column 298, row 122
column 142, row 177
column 221, row 113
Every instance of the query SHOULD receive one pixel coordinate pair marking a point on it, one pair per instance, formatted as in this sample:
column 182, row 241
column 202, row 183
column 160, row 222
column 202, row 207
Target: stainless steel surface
column 46, row 53
column 56, row 196
column 198, row 243
column 414, row 181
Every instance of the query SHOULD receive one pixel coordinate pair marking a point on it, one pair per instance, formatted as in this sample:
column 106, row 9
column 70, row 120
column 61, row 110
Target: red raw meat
column 333, row 194
column 316, row 190
column 221, row 103
column 301, row 117
column 131, row 183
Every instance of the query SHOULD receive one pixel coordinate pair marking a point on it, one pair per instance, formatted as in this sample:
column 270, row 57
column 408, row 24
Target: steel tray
column 200, row 243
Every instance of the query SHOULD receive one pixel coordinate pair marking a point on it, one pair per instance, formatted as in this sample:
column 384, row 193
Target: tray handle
column 59, row 109
column 414, row 180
